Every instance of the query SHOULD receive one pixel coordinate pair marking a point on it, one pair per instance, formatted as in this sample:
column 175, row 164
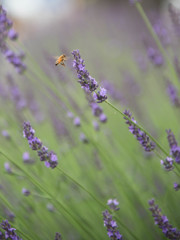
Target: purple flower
column 155, row 56
column 16, row 95
column 174, row 148
column 111, row 226
column 6, row 134
column 176, row 186
column 7, row 167
column 100, row 96
column 168, row 164
column 96, row 125
column 12, row 34
column 143, row 139
column 28, row 131
column 173, row 95
column 9, row 232
column 83, row 138
column 26, row 158
column 35, row 143
column 58, row 236
column 162, row 32
column 89, row 85
column 7, row 32
column 49, row 157
column 113, row 203
column 86, row 81
column 103, row 118
column 26, row 192
column 77, row 122
column 163, row 222
column 50, row 207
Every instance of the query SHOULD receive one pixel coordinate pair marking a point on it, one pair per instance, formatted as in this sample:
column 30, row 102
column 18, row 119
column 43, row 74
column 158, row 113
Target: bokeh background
column 114, row 41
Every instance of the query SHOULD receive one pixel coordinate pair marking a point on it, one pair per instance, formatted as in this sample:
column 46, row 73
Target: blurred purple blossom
column 26, row 158
column 162, row 32
column 12, row 34
column 7, row 167
column 15, row 94
column 83, row 138
column 6, row 134
column 176, row 186
column 58, row 236
column 163, row 222
column 26, row 192
column 96, row 125
column 7, row 32
column 155, row 56
column 113, row 90
column 50, row 207
column 77, row 122
column 173, row 94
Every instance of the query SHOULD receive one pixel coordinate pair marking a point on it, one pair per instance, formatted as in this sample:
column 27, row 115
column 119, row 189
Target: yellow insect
column 61, row 60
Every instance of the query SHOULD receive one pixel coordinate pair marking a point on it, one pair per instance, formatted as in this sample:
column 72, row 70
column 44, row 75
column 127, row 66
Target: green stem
column 78, row 184
column 56, row 202
column 141, row 128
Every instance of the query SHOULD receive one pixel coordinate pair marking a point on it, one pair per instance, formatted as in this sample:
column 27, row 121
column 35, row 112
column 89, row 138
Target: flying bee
column 61, row 60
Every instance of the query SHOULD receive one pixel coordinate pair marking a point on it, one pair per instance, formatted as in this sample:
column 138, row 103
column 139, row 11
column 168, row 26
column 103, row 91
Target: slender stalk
column 56, row 202
column 141, row 128
column 78, row 184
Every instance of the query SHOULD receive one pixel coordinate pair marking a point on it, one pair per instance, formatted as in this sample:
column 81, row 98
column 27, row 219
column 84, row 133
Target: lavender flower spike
column 9, row 231
column 58, row 236
column 49, row 157
column 175, row 149
column 163, row 222
column 143, row 139
column 111, row 226
column 109, row 223
column 86, row 81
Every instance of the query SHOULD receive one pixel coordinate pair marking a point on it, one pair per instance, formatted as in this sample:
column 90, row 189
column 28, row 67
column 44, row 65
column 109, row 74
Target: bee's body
column 61, row 60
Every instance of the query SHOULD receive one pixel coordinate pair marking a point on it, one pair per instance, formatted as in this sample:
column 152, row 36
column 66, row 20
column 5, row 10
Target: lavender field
column 89, row 146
